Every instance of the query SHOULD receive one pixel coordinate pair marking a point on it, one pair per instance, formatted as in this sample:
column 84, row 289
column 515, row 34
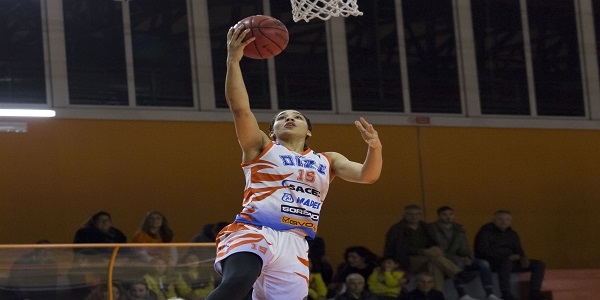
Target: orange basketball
column 271, row 36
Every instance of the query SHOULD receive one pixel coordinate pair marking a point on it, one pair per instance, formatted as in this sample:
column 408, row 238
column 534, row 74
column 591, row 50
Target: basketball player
column 265, row 249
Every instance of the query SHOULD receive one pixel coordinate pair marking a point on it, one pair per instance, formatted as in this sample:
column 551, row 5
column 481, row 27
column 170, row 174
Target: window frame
column 204, row 108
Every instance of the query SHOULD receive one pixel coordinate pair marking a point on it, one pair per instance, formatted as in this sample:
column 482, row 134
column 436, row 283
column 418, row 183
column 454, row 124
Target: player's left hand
column 368, row 133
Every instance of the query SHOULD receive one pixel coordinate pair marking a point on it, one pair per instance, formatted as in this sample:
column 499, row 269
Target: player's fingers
column 242, row 35
column 248, row 41
column 361, row 128
column 231, row 33
column 237, row 31
column 366, row 124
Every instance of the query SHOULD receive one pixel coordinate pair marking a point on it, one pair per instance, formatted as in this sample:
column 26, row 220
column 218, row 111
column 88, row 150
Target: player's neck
column 295, row 146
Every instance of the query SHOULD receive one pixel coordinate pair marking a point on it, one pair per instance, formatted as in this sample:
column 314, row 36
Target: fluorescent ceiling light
column 36, row 113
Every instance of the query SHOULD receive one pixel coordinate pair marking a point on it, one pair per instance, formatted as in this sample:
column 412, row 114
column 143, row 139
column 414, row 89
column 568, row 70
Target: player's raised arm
column 370, row 169
column 251, row 138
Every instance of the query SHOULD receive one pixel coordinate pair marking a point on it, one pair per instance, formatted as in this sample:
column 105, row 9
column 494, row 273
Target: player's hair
column 502, row 212
column 303, row 115
column 443, row 209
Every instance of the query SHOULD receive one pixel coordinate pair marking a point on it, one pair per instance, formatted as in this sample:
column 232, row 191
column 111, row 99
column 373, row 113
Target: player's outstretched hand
column 235, row 41
column 368, row 133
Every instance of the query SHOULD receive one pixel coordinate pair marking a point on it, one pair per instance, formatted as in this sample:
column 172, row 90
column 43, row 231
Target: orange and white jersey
column 285, row 190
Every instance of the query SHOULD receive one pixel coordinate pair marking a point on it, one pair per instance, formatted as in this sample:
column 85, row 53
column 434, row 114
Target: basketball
column 271, row 36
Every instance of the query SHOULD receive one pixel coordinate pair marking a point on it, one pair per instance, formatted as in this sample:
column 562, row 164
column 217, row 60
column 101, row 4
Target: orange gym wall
column 61, row 171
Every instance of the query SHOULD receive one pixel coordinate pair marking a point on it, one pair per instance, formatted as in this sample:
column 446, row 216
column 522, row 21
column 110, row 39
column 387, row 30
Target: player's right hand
column 236, row 43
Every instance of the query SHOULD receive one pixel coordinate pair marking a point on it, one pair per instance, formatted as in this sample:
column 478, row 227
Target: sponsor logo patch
column 298, row 222
column 298, row 211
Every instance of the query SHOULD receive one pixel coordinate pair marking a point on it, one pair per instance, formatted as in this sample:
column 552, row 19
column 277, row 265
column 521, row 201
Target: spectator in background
column 424, row 290
column 501, row 246
column 86, row 274
column 355, row 289
column 155, row 229
column 387, row 279
column 452, row 238
column 209, row 233
column 357, row 259
column 160, row 280
column 317, row 289
column 412, row 244
column 98, row 229
column 319, row 259
column 33, row 275
column 138, row 290
column 101, row 292
column 195, row 281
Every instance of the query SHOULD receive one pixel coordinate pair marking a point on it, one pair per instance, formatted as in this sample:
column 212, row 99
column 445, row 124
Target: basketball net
column 323, row 9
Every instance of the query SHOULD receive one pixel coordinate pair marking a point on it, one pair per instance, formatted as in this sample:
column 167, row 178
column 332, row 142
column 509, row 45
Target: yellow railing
column 24, row 266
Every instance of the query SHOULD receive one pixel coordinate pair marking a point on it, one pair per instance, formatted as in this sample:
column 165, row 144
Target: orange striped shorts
column 284, row 254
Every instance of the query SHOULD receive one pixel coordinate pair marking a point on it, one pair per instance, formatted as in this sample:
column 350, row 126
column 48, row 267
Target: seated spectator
column 387, row 279
column 452, row 238
column 87, row 273
column 194, row 280
column 357, row 259
column 98, row 229
column 355, row 289
column 155, row 229
column 424, row 290
column 209, row 233
column 101, row 292
column 319, row 259
column 138, row 290
column 33, row 275
column 160, row 280
column 411, row 242
column 501, row 246
column 317, row 289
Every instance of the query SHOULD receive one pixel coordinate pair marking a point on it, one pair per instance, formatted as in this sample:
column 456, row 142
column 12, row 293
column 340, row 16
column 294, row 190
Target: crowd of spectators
column 418, row 258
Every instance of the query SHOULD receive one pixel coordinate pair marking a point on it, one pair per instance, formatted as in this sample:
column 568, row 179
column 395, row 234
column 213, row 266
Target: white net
column 323, row 9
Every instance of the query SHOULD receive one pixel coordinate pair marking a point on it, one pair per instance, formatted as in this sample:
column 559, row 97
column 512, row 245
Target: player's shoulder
column 332, row 154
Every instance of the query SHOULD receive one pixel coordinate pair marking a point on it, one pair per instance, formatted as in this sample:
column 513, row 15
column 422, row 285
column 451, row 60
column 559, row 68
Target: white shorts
column 284, row 254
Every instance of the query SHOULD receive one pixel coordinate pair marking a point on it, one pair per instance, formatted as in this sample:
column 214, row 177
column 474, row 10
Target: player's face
column 502, row 221
column 447, row 216
column 290, row 121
